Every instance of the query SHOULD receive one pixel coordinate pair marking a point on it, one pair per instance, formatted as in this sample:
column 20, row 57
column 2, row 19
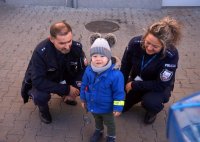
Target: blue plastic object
column 183, row 123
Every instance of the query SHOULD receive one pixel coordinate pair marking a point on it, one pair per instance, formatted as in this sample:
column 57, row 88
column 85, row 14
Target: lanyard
column 143, row 66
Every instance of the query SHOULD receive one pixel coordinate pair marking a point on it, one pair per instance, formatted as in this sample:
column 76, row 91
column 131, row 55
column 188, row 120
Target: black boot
column 110, row 139
column 45, row 115
column 149, row 117
column 96, row 136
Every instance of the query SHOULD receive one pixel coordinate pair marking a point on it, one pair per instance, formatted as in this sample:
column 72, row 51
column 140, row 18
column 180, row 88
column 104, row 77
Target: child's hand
column 116, row 113
column 83, row 104
column 74, row 92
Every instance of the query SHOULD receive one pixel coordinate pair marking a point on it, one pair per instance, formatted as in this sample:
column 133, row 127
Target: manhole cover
column 102, row 26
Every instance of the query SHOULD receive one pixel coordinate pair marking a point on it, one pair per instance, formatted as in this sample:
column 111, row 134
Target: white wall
column 37, row 2
column 149, row 4
column 180, row 2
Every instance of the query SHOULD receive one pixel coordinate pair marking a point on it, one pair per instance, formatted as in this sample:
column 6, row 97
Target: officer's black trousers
column 151, row 101
column 40, row 98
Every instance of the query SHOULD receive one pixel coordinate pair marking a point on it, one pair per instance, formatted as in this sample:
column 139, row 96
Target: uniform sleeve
column 127, row 58
column 126, row 63
column 82, row 66
column 118, row 91
column 77, row 78
column 83, row 87
column 165, row 77
column 39, row 77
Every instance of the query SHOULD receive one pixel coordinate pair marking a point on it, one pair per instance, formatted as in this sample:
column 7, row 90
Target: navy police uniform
column 152, row 75
column 50, row 71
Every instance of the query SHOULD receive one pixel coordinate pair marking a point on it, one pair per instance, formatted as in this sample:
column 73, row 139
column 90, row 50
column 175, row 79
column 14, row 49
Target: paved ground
column 22, row 28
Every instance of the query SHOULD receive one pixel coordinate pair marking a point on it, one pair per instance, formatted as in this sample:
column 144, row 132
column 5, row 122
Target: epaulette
column 76, row 48
column 138, row 41
column 170, row 53
column 77, row 44
column 42, row 50
column 134, row 41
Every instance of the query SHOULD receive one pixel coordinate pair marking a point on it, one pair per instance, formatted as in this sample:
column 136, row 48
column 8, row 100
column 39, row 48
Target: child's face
column 99, row 60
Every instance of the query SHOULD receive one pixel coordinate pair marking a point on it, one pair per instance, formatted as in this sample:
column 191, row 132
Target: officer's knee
column 39, row 97
column 148, row 103
column 152, row 104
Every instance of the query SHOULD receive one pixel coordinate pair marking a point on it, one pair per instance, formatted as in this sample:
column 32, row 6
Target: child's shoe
column 96, row 136
column 110, row 139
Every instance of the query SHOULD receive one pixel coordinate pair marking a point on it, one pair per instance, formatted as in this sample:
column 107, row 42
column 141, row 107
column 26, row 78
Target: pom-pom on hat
column 101, row 46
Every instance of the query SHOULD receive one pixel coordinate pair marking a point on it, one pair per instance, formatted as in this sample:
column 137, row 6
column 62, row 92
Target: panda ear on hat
column 111, row 38
column 93, row 37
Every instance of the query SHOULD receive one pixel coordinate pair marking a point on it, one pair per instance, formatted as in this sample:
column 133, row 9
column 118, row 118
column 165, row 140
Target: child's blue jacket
column 103, row 93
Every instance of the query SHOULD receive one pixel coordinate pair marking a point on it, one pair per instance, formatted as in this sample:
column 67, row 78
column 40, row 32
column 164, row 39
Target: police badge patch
column 166, row 75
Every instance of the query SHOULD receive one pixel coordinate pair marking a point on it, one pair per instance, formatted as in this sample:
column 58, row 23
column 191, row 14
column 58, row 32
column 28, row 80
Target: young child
column 102, row 90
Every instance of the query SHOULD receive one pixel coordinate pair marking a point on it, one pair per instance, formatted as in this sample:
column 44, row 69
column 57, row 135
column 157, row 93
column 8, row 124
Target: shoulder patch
column 166, row 75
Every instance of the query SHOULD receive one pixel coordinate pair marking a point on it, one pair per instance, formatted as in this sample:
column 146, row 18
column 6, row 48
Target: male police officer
column 56, row 66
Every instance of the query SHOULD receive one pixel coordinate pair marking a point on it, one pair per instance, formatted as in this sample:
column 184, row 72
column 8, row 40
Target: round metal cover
column 102, row 26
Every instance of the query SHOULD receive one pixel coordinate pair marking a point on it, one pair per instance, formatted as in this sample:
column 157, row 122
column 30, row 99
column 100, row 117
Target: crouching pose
column 149, row 65
column 56, row 66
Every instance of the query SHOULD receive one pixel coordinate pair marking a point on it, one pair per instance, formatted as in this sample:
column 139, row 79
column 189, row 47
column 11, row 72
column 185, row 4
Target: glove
column 24, row 91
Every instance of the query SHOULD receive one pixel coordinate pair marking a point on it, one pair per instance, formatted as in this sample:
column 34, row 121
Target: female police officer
column 149, row 64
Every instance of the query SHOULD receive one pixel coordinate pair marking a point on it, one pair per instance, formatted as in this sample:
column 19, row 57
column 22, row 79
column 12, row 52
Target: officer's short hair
column 60, row 28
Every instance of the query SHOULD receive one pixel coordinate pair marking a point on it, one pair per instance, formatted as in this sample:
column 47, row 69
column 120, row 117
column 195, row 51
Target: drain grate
column 102, row 26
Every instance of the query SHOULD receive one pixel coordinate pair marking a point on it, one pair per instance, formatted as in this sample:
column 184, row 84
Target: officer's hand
column 116, row 113
column 74, row 92
column 25, row 98
column 128, row 87
column 24, row 91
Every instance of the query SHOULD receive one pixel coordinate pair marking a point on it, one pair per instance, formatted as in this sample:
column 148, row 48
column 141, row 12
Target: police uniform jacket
column 156, row 71
column 48, row 67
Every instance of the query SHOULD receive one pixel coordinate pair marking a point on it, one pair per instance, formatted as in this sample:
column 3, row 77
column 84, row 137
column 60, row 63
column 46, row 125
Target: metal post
column 75, row 4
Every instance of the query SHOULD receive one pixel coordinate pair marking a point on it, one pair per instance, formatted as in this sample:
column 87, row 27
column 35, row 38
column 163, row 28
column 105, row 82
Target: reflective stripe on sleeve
column 118, row 103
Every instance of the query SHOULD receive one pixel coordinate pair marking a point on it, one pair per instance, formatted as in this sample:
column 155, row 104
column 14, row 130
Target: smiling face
column 99, row 60
column 62, row 43
column 152, row 44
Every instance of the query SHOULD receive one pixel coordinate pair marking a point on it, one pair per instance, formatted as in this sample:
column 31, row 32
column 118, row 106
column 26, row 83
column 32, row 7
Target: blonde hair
column 167, row 30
